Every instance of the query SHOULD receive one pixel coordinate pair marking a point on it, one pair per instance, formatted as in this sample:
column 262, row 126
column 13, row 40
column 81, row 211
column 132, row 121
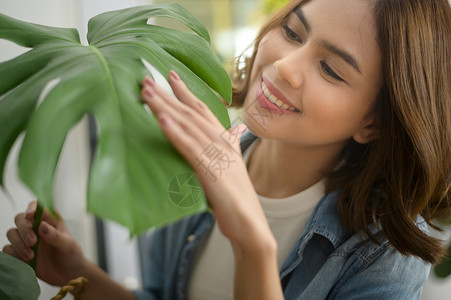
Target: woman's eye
column 329, row 72
column 290, row 34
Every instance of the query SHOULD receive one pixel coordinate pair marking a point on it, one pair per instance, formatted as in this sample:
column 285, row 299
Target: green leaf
column 31, row 35
column 443, row 269
column 108, row 24
column 18, row 104
column 137, row 178
column 17, row 279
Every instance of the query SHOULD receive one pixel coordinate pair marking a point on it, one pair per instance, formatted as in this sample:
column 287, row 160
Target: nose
column 289, row 69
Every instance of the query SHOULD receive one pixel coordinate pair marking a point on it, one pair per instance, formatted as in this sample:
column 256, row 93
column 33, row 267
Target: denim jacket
column 327, row 262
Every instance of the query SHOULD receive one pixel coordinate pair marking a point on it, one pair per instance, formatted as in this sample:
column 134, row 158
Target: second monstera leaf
column 137, row 178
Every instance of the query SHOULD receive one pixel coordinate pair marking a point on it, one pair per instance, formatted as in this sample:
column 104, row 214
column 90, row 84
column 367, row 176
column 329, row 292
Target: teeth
column 273, row 99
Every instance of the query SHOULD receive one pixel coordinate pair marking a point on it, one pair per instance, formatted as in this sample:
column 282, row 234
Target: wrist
column 257, row 246
column 256, row 270
column 83, row 268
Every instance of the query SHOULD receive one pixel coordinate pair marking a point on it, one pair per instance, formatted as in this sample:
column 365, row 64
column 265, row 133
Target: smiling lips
column 281, row 105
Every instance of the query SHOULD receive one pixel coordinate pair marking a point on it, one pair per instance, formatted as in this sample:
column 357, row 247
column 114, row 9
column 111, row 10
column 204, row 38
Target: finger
column 149, row 83
column 193, row 108
column 25, row 229
column 54, row 219
column 23, row 251
column 198, row 131
column 185, row 95
column 185, row 144
column 190, row 120
column 31, row 210
column 153, row 90
column 8, row 249
column 52, row 236
column 235, row 134
column 46, row 215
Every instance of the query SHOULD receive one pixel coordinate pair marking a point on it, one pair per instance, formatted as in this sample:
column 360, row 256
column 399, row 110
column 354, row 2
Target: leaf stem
column 36, row 222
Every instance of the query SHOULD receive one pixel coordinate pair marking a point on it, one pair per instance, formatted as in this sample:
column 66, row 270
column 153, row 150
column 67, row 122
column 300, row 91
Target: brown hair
column 407, row 171
column 243, row 65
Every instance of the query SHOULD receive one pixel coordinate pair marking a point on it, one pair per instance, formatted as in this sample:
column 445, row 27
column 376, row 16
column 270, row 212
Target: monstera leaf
column 17, row 279
column 136, row 178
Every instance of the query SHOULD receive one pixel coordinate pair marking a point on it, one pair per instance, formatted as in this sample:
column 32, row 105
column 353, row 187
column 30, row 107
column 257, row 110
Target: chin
column 255, row 127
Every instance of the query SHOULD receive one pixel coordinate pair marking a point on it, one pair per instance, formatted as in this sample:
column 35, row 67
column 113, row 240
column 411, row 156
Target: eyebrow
column 346, row 56
column 342, row 53
column 300, row 14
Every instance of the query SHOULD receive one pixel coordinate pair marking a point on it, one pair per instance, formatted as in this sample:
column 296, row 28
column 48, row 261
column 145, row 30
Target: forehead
column 347, row 24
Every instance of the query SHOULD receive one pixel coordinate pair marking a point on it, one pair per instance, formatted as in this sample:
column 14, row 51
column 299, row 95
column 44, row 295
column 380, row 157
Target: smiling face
column 316, row 77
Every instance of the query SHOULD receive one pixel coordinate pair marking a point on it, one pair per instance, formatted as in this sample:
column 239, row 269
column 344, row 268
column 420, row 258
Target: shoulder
column 346, row 265
column 384, row 274
column 369, row 269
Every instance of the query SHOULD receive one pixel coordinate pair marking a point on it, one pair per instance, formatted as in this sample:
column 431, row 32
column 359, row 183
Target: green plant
column 18, row 280
column 134, row 163
column 137, row 177
column 443, row 269
column 270, row 6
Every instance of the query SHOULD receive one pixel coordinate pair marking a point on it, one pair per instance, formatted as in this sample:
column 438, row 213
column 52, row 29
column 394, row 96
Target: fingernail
column 149, row 81
column 28, row 253
column 149, row 91
column 44, row 228
column 30, row 239
column 174, row 75
column 28, row 211
column 243, row 128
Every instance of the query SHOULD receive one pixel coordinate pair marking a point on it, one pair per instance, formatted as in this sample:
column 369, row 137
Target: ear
column 369, row 131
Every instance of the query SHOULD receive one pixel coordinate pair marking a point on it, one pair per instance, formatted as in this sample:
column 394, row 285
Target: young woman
column 346, row 161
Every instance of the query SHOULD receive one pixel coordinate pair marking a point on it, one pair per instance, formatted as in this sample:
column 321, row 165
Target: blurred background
column 232, row 25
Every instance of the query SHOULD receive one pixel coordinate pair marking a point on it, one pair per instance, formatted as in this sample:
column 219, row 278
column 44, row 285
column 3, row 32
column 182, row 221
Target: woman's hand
column 213, row 152
column 60, row 258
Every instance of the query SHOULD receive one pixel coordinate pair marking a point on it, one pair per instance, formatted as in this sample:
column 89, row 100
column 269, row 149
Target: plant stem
column 36, row 222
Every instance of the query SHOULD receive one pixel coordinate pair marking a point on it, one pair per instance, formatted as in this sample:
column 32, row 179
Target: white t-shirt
column 212, row 276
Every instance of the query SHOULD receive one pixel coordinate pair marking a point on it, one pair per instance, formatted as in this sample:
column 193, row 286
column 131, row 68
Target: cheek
column 333, row 113
column 267, row 54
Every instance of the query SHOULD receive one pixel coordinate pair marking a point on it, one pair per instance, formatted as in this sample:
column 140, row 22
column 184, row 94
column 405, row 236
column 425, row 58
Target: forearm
column 256, row 272
column 102, row 286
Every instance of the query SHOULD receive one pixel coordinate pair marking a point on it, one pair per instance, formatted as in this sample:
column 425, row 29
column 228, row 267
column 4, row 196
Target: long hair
column 407, row 171
column 243, row 65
